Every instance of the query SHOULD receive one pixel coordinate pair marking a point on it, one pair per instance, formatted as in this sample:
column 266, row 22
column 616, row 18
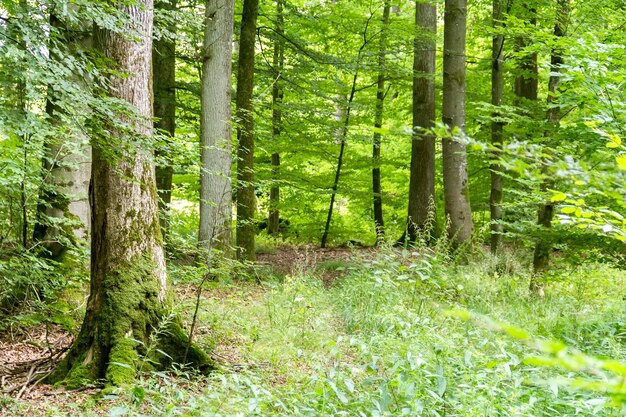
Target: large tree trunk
column 497, row 126
column 273, row 220
column 66, row 167
column 455, row 181
column 379, row 221
column 128, row 275
column 246, row 197
column 541, row 256
column 422, row 216
column 164, row 78
column 215, row 127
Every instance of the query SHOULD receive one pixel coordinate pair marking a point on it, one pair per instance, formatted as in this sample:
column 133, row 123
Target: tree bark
column 340, row 117
column 497, row 127
column 164, row 80
column 128, row 276
column 22, row 99
column 246, row 197
column 455, row 180
column 527, row 81
column 422, row 210
column 66, row 166
column 541, row 256
column 379, row 221
column 215, row 126
column 343, row 116
column 273, row 221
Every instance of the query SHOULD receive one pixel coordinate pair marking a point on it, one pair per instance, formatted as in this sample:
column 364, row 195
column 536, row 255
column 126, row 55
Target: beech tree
column 455, row 181
column 246, row 197
column 273, row 221
column 215, row 126
column 63, row 208
column 379, row 221
column 497, row 91
column 422, row 176
column 527, row 81
column 164, row 82
column 545, row 213
column 127, row 300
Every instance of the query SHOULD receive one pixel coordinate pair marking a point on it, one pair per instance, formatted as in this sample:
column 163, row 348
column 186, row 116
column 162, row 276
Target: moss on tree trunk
column 124, row 330
column 127, row 301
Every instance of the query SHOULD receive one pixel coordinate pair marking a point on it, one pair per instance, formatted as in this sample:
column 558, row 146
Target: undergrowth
column 381, row 342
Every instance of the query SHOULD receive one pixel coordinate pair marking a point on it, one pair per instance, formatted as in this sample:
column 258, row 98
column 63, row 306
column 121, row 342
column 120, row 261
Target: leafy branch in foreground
column 585, row 372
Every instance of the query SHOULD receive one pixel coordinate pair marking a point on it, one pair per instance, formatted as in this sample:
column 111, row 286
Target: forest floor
column 358, row 332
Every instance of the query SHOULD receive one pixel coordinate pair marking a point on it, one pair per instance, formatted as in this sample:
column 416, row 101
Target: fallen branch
column 29, row 378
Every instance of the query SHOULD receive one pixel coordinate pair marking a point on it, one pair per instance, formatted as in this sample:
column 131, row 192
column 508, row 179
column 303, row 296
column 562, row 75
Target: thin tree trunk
column 342, row 115
column 128, row 276
column 273, row 221
column 497, row 126
column 422, row 210
column 541, row 256
column 455, row 180
column 23, row 197
column 343, row 136
column 164, row 79
column 527, row 81
column 379, row 221
column 215, row 125
column 246, row 197
column 23, row 108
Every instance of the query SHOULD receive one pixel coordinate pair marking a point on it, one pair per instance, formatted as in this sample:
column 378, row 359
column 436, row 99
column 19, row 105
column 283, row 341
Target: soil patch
column 327, row 262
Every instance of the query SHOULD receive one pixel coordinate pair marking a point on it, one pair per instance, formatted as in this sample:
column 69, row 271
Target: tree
column 422, row 177
column 379, row 221
column 246, row 197
column 541, row 256
column 342, row 134
column 164, row 81
column 273, row 220
column 455, row 180
column 497, row 126
column 127, row 297
column 63, row 210
column 527, row 81
column 215, row 126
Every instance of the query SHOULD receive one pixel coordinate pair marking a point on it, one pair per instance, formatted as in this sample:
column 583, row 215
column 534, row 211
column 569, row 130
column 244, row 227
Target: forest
column 312, row 208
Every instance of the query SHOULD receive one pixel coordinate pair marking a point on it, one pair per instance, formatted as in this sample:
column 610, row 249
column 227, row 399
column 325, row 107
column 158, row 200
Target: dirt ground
column 289, row 259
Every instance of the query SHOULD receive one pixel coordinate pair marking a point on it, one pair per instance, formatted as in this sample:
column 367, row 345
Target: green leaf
column 615, row 366
column 559, row 196
column 621, row 161
column 340, row 395
column 614, row 141
column 118, row 411
column 516, row 332
column 349, row 384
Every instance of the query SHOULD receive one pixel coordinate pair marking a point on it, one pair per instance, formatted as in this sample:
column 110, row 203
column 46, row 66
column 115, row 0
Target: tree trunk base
column 127, row 356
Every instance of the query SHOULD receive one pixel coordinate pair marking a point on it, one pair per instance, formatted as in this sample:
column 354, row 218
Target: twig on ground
column 28, row 379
